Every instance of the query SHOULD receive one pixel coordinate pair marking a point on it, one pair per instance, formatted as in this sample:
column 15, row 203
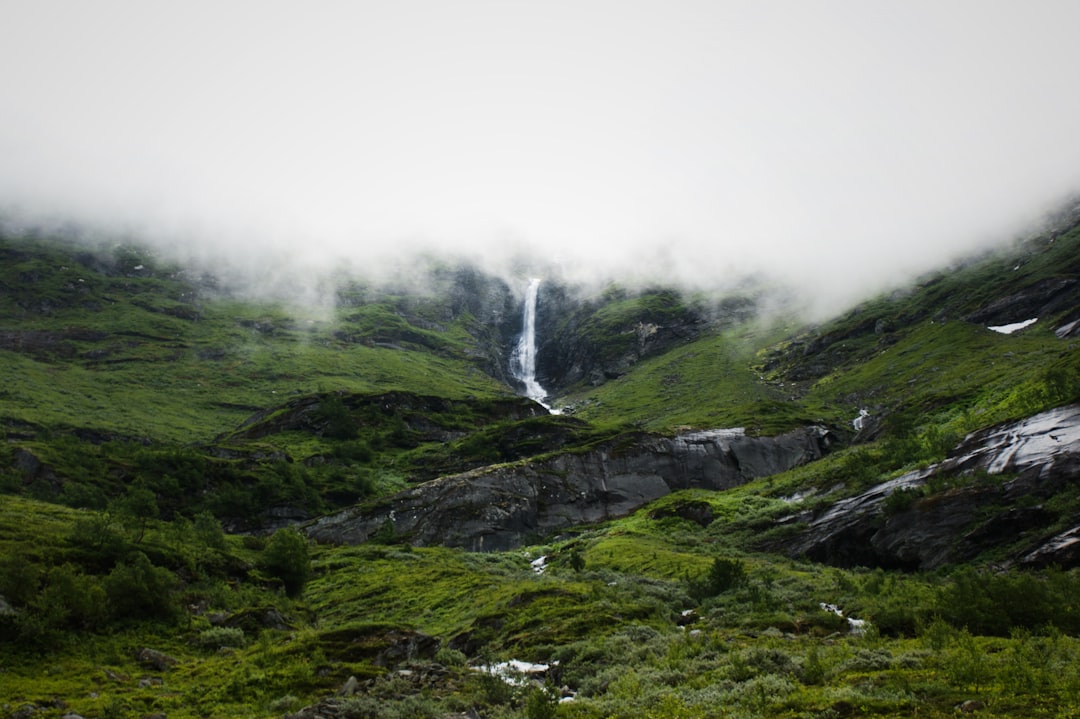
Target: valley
column 351, row 509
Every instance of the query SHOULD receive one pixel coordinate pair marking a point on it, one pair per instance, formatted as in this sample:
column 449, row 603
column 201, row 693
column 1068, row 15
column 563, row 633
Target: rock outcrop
column 956, row 524
column 501, row 507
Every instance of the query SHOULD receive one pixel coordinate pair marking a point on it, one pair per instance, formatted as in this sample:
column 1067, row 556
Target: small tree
column 139, row 590
column 137, row 507
column 724, row 574
column 286, row 557
column 577, row 559
column 208, row 530
column 339, row 423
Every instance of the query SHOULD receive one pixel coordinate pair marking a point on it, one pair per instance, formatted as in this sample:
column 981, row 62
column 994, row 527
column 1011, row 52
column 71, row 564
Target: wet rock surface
column 499, row 508
column 956, row 524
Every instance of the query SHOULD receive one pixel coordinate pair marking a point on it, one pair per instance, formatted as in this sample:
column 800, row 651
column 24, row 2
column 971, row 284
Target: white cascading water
column 523, row 360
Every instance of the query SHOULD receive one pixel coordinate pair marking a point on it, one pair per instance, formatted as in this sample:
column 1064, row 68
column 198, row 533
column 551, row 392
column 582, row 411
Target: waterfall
column 523, row 360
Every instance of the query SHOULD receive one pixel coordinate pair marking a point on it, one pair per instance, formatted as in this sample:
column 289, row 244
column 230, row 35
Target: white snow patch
column 539, row 564
column 1009, row 329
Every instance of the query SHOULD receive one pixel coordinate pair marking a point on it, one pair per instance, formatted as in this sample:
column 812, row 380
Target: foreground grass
column 614, row 612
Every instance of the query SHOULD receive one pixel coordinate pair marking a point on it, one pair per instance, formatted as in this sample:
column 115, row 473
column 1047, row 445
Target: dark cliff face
column 596, row 338
column 926, row 529
column 502, row 507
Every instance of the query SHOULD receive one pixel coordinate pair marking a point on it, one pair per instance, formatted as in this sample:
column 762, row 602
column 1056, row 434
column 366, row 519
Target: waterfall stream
column 523, row 360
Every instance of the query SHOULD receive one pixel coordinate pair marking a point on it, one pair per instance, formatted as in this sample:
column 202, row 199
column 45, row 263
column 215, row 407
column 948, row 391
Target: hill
column 651, row 560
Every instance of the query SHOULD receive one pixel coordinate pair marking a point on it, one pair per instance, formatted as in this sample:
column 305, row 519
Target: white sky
column 842, row 144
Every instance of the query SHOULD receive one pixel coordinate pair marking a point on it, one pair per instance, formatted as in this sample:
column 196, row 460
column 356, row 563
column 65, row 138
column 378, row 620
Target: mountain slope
column 158, row 408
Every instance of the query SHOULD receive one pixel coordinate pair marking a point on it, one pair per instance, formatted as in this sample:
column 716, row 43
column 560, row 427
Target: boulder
column 155, row 659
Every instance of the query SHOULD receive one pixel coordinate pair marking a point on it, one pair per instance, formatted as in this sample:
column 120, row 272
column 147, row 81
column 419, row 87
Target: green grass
column 763, row 649
column 132, row 353
column 123, row 354
column 706, row 383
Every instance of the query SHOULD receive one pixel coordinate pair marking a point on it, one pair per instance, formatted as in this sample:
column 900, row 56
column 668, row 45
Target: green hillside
column 145, row 410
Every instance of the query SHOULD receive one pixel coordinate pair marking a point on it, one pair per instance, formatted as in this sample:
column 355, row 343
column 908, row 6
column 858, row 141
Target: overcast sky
column 844, row 144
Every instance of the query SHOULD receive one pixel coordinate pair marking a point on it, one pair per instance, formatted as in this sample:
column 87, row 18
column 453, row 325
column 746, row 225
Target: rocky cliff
column 498, row 508
column 993, row 490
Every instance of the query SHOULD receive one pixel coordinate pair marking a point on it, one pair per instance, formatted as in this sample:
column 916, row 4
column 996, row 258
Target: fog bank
column 842, row 147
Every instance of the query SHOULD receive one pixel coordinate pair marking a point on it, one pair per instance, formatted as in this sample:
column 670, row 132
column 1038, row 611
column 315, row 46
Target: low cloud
column 839, row 147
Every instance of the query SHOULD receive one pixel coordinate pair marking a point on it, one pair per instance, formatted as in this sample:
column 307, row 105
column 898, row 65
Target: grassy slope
column 146, row 354
column 764, row 649
column 949, row 373
column 705, row 383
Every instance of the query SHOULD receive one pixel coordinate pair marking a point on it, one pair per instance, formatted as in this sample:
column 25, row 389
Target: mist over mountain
column 226, row 497
column 837, row 148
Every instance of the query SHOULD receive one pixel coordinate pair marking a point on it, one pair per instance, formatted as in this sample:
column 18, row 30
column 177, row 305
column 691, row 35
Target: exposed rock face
column 1039, row 300
column 1044, row 452
column 580, row 340
column 498, row 508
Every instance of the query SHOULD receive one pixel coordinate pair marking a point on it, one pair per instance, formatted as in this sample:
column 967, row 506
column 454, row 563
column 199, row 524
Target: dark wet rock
column 28, row 464
column 952, row 526
column 155, row 659
column 254, row 619
column 498, row 508
column 578, row 342
column 1062, row 550
column 1068, row 329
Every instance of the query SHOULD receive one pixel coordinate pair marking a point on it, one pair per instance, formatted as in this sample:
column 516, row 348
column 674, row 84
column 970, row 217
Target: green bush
column 139, row 590
column 995, row 604
column 218, row 637
column 723, row 575
column 338, row 421
column 135, row 509
column 71, row 599
column 19, row 578
column 208, row 530
column 286, row 558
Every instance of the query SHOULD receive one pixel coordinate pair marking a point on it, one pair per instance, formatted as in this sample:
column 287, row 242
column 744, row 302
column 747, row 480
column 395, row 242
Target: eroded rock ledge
column 1042, row 451
column 502, row 507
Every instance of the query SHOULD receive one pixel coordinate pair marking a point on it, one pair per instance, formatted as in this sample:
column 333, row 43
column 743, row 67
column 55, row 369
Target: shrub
column 70, row 599
column 900, row 500
column 218, row 637
column 339, row 422
column 723, row 575
column 19, row 578
column 139, row 590
column 286, row 558
column 135, row 509
column 208, row 530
